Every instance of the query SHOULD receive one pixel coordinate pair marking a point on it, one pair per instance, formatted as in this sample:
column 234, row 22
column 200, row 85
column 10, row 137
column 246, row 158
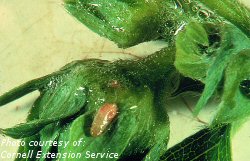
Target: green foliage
column 233, row 11
column 68, row 102
column 125, row 22
column 208, row 43
column 207, row 56
column 207, row 144
column 235, row 104
column 190, row 56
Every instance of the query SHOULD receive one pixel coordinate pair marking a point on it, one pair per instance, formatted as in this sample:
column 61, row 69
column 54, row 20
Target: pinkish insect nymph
column 103, row 118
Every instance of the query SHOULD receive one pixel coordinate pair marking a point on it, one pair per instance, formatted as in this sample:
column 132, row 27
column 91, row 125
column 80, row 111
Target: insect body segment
column 104, row 116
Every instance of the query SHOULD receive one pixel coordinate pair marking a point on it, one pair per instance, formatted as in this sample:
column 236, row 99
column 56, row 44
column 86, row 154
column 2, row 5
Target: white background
column 38, row 37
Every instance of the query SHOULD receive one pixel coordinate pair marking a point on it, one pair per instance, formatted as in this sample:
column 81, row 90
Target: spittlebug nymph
column 104, row 116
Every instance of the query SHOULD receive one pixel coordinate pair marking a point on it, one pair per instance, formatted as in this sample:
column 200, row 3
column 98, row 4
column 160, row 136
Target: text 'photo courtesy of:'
column 124, row 80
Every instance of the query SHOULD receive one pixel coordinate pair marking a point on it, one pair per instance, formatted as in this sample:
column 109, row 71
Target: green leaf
column 125, row 22
column 113, row 142
column 23, row 90
column 203, row 51
column 209, row 144
column 33, row 114
column 233, row 42
column 151, row 69
column 190, row 59
column 139, row 104
column 36, row 84
column 138, row 128
column 30, row 151
column 161, row 135
column 235, row 104
column 50, row 133
column 232, row 10
column 59, row 101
